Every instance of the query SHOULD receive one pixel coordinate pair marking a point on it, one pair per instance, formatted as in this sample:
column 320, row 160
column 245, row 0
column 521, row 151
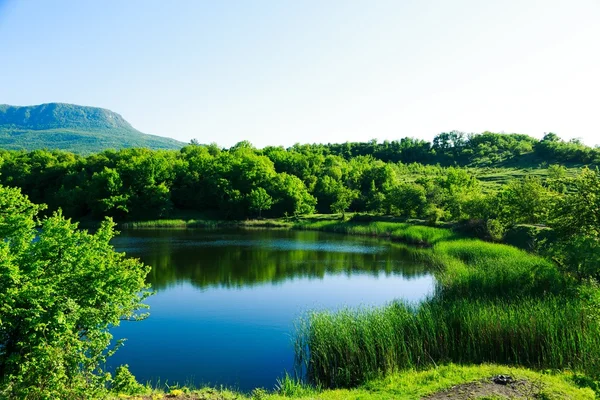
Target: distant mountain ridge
column 80, row 129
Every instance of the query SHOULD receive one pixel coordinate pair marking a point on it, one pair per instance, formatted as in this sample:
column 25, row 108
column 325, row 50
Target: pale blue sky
column 280, row 72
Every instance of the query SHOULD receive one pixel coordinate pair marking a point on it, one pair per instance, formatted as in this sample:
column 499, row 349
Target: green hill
column 78, row 129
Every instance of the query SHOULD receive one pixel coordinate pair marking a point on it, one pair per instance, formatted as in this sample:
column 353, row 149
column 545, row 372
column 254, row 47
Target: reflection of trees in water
column 239, row 265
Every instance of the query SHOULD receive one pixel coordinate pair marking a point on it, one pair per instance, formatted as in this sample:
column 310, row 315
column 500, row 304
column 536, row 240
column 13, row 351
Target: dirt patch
column 488, row 389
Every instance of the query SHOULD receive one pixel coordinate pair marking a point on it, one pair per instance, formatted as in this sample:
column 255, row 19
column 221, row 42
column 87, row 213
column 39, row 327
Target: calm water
column 226, row 301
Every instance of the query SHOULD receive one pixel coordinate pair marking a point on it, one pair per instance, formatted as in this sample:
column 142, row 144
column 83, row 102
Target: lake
column 226, row 300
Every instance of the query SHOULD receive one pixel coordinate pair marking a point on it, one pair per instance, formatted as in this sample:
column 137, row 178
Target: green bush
column 61, row 290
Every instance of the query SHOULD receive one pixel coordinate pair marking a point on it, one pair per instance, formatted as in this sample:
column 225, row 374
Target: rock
column 502, row 379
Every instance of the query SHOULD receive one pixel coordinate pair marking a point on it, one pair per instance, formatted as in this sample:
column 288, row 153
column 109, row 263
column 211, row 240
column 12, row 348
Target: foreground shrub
column 61, row 290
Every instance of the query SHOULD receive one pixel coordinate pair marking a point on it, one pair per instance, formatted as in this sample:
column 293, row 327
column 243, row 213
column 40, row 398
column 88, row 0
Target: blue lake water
column 226, row 301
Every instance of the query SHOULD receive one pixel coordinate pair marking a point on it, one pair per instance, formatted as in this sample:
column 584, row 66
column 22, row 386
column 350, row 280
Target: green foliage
column 476, row 269
column 422, row 383
column 260, row 200
column 59, row 295
column 259, row 394
column 293, row 387
column 409, row 233
column 407, row 200
column 525, row 201
column 344, row 198
column 493, row 303
column 140, row 184
column 125, row 383
column 576, row 221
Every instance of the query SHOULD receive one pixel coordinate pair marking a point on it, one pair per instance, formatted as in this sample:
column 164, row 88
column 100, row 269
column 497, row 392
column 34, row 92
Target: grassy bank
column 398, row 231
column 408, row 385
column 493, row 303
column 206, row 223
column 473, row 269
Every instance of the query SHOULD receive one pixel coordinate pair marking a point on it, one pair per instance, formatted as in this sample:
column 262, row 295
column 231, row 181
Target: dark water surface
column 226, row 301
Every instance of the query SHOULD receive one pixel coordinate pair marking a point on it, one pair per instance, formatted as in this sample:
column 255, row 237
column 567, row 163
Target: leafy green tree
column 292, row 196
column 106, row 195
column 260, row 200
column 59, row 296
column 525, row 201
column 344, row 198
column 452, row 190
column 408, row 200
column 576, row 221
column 375, row 199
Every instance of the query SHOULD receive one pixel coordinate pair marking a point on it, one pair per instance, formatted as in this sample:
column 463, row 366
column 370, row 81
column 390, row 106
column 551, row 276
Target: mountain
column 78, row 129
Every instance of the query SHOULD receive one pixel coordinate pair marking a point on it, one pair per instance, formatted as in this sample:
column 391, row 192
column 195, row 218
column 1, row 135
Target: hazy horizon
column 279, row 73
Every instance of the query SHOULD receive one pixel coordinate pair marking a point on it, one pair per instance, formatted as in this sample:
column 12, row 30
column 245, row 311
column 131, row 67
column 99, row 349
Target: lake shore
column 480, row 313
column 443, row 382
column 415, row 232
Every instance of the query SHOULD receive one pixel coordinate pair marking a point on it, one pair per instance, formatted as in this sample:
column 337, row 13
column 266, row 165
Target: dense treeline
column 397, row 178
column 458, row 148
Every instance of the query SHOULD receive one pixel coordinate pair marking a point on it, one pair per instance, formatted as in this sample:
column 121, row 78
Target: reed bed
column 493, row 304
column 349, row 347
column 471, row 268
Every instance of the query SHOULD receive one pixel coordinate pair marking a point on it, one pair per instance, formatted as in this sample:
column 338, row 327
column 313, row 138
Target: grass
column 471, row 268
column 493, row 303
column 399, row 231
column 347, row 348
column 493, row 178
column 206, row 223
column 406, row 385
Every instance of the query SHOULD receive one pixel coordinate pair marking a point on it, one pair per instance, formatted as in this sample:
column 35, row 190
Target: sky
column 279, row 72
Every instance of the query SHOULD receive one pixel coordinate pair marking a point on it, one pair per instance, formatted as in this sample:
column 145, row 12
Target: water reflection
column 226, row 300
column 249, row 257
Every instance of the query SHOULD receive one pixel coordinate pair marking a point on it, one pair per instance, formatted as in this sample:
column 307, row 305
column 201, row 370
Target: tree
column 343, row 201
column 455, row 188
column 292, row 196
column 105, row 194
column 408, row 200
column 525, row 201
column 260, row 200
column 576, row 222
column 61, row 290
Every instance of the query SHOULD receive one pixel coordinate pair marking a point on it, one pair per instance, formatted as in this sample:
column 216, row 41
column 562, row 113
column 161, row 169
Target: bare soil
column 487, row 389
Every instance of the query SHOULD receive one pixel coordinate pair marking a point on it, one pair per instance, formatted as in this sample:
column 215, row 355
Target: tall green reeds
column 471, row 268
column 493, row 303
column 349, row 347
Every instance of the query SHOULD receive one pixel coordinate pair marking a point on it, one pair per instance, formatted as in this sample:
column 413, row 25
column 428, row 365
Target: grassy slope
column 493, row 178
column 408, row 385
column 82, row 141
